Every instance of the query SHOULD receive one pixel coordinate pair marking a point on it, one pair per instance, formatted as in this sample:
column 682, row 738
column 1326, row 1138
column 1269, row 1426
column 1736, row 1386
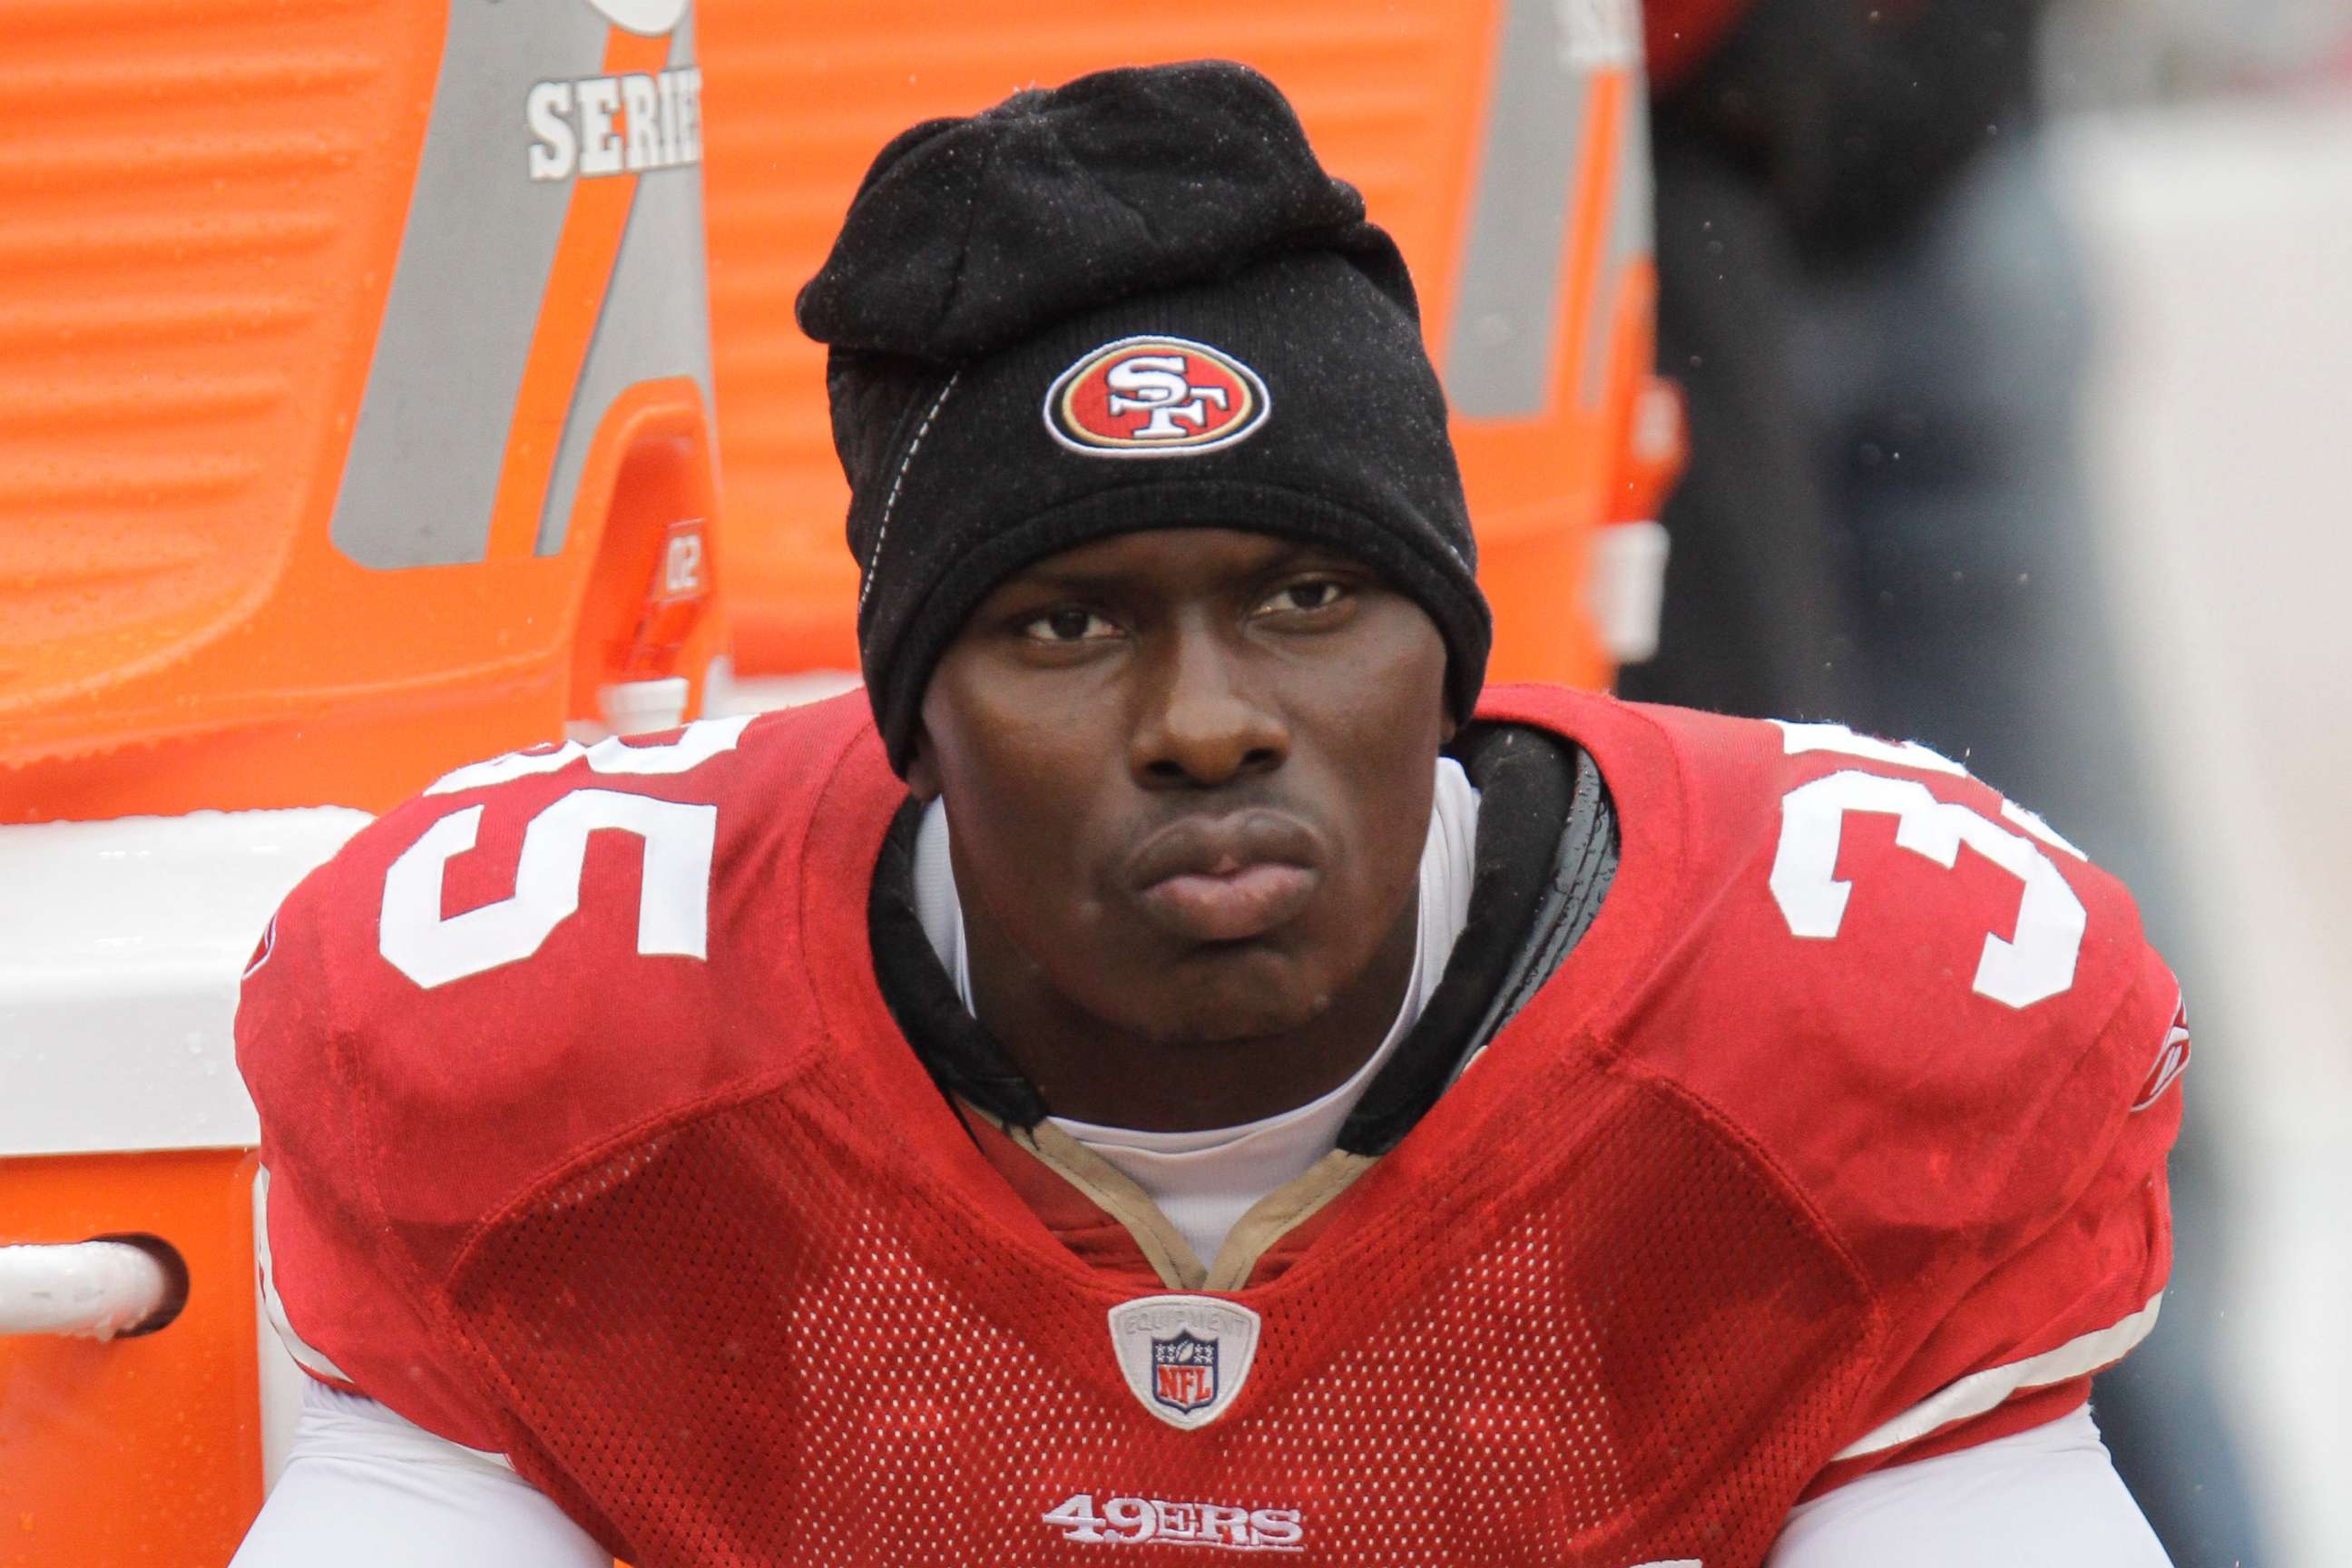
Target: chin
column 1242, row 1000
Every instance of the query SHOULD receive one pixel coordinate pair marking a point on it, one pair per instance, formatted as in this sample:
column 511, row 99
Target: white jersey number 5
column 2035, row 963
column 674, row 900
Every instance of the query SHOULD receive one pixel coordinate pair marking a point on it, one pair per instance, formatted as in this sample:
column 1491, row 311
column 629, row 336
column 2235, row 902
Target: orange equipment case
column 340, row 442
column 354, row 424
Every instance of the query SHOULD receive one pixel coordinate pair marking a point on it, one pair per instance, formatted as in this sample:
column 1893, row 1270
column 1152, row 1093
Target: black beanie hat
column 1143, row 264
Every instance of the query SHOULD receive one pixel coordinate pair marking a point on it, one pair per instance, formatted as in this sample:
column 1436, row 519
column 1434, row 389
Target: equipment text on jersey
column 1134, row 1521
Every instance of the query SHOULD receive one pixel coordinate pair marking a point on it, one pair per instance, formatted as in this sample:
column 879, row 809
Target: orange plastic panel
column 649, row 606
column 1396, row 98
column 148, row 1449
column 208, row 204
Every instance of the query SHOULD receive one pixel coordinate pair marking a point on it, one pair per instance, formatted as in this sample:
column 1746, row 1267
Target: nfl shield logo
column 1185, row 1358
column 1184, row 1372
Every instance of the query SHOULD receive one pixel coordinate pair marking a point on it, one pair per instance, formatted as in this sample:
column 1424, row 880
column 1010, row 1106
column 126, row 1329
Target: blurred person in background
column 1874, row 308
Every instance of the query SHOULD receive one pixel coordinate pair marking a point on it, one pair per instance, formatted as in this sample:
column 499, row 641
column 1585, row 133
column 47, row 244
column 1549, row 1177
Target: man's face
column 1188, row 776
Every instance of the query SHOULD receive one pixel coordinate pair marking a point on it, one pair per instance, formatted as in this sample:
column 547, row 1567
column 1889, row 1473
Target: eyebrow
column 1286, row 553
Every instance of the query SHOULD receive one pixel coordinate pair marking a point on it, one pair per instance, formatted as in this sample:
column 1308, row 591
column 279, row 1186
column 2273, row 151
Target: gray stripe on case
column 656, row 319
column 422, row 472
column 1632, row 234
column 1505, row 309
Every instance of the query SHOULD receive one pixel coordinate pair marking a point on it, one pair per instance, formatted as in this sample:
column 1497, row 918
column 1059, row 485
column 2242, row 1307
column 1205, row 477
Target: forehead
column 1169, row 560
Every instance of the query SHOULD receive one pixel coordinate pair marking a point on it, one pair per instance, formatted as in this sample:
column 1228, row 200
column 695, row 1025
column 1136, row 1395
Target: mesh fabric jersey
column 696, row 1241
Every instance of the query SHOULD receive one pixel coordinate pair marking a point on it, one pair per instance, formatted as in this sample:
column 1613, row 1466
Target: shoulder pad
column 1923, row 1004
column 547, row 948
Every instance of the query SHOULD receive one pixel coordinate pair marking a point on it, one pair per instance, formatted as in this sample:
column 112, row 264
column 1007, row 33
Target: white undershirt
column 1205, row 1181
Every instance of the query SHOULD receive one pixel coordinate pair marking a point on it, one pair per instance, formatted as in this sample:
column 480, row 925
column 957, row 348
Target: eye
column 1067, row 624
column 1305, row 596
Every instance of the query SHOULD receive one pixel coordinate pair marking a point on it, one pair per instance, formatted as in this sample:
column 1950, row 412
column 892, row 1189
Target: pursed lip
column 1220, row 846
column 1230, row 878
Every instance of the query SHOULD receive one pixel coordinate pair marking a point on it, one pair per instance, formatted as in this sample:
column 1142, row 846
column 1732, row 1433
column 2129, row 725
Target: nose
column 1201, row 722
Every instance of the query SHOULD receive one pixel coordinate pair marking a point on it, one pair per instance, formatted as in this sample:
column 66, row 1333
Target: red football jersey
column 1837, row 1140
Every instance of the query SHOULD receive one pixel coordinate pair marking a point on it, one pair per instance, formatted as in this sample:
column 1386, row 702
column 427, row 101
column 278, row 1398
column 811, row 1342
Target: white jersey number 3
column 674, row 900
column 2032, row 965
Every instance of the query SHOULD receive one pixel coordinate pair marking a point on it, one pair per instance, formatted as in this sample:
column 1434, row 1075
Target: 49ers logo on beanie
column 1155, row 397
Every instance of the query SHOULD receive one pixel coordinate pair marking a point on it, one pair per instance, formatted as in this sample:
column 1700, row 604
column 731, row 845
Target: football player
column 1176, row 1065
